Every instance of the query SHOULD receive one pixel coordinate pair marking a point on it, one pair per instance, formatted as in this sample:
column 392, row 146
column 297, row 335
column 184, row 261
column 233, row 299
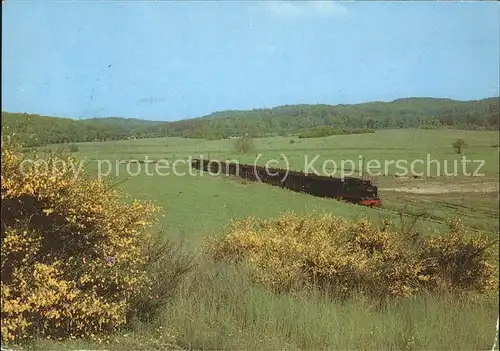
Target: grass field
column 218, row 198
column 217, row 308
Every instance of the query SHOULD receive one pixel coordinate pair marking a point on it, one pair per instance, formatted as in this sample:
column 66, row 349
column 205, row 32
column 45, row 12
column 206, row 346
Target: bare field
column 443, row 186
column 475, row 200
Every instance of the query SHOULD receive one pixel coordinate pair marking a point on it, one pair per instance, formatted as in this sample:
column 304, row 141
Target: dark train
column 349, row 189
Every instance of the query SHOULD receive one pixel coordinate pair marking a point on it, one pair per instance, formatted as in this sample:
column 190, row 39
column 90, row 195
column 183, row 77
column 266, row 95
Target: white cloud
column 293, row 9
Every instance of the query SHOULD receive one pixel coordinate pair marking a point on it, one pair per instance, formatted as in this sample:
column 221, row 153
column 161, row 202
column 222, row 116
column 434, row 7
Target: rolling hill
column 36, row 130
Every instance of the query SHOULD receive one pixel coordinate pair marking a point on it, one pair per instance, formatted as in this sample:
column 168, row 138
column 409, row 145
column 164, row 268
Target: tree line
column 308, row 120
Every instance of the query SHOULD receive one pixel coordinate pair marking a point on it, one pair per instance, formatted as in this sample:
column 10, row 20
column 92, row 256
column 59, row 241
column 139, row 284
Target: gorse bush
column 76, row 259
column 457, row 261
column 291, row 252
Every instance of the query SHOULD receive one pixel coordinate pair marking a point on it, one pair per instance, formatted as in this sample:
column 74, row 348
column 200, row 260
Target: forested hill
column 35, row 130
column 126, row 123
column 402, row 113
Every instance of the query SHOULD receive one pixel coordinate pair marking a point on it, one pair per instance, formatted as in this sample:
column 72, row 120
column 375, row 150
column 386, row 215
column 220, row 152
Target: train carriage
column 349, row 189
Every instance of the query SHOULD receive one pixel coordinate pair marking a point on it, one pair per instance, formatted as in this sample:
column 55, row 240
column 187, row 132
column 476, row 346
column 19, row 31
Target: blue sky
column 172, row 60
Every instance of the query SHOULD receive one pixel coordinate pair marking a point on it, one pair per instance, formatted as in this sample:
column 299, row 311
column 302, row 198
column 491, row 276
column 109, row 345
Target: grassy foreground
column 217, row 307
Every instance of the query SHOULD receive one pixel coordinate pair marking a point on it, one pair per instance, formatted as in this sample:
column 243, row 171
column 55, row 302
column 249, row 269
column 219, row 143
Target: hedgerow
column 292, row 252
column 77, row 260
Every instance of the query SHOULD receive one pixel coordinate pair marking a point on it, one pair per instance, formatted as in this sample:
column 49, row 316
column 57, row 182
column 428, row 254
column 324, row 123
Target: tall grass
column 217, row 307
column 220, row 309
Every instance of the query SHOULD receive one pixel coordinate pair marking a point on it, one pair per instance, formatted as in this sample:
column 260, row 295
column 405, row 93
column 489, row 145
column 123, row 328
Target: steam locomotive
column 349, row 189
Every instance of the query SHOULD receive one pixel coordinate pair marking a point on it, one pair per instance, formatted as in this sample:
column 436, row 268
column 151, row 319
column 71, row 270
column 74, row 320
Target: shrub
column 429, row 127
column 458, row 261
column 324, row 131
column 76, row 259
column 204, row 133
column 244, row 144
column 458, row 145
column 292, row 252
column 73, row 148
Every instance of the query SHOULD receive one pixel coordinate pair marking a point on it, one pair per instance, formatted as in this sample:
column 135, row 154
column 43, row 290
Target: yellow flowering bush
column 75, row 258
column 460, row 261
column 295, row 252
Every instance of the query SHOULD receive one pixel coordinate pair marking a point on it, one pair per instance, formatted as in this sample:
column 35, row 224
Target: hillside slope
column 401, row 113
column 35, row 130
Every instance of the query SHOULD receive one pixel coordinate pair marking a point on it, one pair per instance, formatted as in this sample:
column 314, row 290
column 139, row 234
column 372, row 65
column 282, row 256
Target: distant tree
column 370, row 124
column 244, row 144
column 73, row 148
column 459, row 145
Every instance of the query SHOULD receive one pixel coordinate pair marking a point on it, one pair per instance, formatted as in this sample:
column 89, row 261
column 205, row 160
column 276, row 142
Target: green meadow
column 218, row 308
column 212, row 200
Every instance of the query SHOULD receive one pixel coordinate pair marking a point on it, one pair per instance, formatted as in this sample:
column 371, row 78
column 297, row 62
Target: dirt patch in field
column 430, row 188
